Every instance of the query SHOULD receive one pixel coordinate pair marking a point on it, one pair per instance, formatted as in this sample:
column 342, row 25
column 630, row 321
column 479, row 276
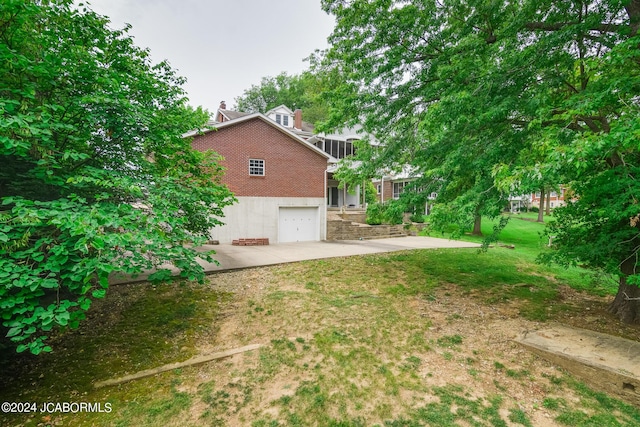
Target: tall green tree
column 95, row 178
column 305, row 91
column 486, row 98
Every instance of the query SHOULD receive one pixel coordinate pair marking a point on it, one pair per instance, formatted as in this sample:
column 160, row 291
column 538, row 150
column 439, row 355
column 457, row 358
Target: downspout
column 323, row 227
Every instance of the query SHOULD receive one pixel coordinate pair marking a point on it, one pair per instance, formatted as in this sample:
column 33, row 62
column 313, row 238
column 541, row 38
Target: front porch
column 339, row 196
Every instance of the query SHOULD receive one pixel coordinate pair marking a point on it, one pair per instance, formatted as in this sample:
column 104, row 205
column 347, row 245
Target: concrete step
column 605, row 362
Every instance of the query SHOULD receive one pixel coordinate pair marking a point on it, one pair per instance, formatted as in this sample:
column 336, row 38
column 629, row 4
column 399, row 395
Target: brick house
column 555, row 199
column 278, row 178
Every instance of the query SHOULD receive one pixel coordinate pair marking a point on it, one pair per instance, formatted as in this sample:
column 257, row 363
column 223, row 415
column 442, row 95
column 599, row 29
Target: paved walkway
column 239, row 257
column 606, row 362
column 236, row 257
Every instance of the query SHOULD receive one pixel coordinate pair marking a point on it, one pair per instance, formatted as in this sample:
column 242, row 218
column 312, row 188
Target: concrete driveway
column 237, row 257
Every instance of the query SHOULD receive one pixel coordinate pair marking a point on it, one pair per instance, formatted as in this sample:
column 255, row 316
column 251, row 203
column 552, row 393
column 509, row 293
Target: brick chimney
column 297, row 119
column 223, row 105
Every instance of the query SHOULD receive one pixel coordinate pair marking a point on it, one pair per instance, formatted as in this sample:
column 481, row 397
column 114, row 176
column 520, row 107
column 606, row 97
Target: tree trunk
column 547, row 209
column 626, row 305
column 477, row 223
column 541, row 211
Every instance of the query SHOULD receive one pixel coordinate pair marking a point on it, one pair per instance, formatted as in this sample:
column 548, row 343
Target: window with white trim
column 285, row 120
column 398, row 188
column 256, row 167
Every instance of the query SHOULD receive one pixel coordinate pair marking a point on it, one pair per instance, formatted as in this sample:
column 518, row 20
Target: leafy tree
column 487, row 98
column 304, row 91
column 95, row 177
column 270, row 93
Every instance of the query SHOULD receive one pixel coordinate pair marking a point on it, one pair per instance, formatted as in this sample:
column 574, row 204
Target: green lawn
column 412, row 338
column 528, row 240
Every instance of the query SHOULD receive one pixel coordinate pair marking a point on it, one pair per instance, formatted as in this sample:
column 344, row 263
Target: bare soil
column 375, row 355
column 487, row 363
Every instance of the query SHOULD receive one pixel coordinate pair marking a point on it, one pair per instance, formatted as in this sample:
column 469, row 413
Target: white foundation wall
column 258, row 217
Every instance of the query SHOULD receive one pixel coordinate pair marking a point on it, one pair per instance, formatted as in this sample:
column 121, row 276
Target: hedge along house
column 278, row 178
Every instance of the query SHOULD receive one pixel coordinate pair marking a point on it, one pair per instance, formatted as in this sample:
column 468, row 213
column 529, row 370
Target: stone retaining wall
column 347, row 230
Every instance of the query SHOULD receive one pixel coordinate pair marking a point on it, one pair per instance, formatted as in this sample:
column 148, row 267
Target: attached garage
column 298, row 224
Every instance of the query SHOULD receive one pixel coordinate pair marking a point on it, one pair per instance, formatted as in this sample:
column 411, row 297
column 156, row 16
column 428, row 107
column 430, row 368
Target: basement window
column 256, row 167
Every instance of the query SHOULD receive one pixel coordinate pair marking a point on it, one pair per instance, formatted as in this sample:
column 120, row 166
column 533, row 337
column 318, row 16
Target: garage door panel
column 298, row 224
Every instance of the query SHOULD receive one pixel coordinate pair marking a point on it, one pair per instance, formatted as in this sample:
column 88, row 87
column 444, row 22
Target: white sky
column 223, row 47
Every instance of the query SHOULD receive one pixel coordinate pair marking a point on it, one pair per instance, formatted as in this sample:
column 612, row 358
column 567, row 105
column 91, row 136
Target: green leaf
column 67, row 222
column 13, row 332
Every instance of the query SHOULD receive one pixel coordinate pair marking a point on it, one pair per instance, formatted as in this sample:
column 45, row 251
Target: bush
column 389, row 213
column 375, row 214
column 419, row 218
column 534, row 209
column 393, row 212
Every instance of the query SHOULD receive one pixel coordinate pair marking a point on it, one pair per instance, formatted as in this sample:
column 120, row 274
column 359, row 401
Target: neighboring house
column 277, row 176
column 519, row 203
column 527, row 201
column 555, row 199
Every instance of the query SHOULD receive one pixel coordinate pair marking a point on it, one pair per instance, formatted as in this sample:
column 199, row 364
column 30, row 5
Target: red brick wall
column 291, row 170
column 387, row 190
column 557, row 200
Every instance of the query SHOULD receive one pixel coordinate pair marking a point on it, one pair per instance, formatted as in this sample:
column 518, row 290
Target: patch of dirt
column 372, row 353
column 486, row 363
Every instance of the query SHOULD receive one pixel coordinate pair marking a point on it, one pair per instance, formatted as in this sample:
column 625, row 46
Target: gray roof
column 231, row 114
column 307, row 127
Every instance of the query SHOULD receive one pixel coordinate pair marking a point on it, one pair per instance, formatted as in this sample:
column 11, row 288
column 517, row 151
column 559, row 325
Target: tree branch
column 543, row 26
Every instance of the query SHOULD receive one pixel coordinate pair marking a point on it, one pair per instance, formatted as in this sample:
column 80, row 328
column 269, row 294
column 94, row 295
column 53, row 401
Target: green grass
column 526, row 236
column 348, row 342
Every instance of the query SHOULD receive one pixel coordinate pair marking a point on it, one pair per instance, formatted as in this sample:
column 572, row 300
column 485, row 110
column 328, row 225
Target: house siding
column 556, row 201
column 291, row 169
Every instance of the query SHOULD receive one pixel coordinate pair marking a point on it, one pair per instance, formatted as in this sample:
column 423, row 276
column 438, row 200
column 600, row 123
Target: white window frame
column 400, row 188
column 257, row 167
column 279, row 118
column 285, row 120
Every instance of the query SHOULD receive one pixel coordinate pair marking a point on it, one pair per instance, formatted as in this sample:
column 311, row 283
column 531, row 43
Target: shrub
column 393, row 212
column 389, row 213
column 419, row 218
column 374, row 214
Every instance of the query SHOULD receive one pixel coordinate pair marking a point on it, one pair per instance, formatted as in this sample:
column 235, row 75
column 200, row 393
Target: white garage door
column 298, row 224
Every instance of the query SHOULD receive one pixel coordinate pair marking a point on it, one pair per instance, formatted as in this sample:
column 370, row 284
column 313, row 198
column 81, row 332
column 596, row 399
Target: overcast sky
column 223, row 47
